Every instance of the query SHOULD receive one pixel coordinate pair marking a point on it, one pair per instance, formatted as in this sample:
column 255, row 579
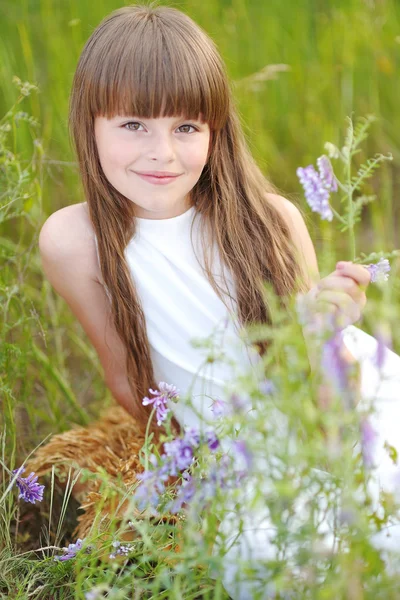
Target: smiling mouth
column 157, row 179
column 157, row 173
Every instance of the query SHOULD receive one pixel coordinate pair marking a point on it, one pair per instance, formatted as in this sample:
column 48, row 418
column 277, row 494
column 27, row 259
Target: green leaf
column 393, row 454
column 367, row 169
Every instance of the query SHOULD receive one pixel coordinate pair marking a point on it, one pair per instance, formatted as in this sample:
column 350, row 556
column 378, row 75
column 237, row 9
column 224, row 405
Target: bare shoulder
column 67, row 236
column 299, row 232
column 287, row 209
column 69, row 261
column 67, row 228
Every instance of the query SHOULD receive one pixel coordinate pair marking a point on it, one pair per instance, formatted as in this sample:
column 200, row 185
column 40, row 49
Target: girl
column 179, row 229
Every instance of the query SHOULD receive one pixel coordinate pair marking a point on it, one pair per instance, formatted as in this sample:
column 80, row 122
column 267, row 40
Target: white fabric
column 179, row 305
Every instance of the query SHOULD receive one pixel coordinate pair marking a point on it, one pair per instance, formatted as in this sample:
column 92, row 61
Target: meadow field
column 298, row 70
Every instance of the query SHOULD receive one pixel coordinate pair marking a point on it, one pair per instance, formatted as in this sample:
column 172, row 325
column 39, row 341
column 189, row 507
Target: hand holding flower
column 334, row 303
column 342, row 293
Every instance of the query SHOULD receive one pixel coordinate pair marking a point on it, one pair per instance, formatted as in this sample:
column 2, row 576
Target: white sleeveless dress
column 180, row 305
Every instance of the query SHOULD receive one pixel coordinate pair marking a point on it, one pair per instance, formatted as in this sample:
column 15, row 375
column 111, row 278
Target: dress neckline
column 144, row 223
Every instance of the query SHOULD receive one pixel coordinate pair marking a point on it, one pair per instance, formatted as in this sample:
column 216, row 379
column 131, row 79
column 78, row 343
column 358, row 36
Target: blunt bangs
column 155, row 65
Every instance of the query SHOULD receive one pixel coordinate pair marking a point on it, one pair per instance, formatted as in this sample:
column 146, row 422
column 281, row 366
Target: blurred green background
column 327, row 59
column 298, row 69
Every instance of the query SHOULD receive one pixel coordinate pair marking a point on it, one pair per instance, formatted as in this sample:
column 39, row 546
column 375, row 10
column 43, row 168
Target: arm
column 69, row 261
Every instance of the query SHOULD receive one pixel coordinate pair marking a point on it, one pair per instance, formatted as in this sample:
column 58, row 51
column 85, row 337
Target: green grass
column 336, row 58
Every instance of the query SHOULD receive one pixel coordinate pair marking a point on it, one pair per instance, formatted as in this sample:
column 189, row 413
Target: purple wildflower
column 267, row 387
column 165, row 392
column 240, row 403
column 227, row 472
column 380, row 353
column 192, row 437
column 221, row 476
column 185, row 493
column 243, row 453
column 379, row 271
column 220, row 408
column 317, row 187
column 29, row 489
column 178, row 457
column 212, row 440
column 71, row 551
column 347, row 516
column 334, row 366
column 326, row 173
column 120, row 549
column 210, row 486
column 181, row 454
column 368, row 439
column 151, row 487
column 384, row 341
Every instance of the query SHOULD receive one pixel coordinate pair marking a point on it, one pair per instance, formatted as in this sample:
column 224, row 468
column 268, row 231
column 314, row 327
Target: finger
column 359, row 273
column 345, row 284
column 342, row 302
column 340, row 299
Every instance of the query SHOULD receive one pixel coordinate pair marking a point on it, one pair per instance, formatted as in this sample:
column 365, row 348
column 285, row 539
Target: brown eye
column 187, row 125
column 131, row 123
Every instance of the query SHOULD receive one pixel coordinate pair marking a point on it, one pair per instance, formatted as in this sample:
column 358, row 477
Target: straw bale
column 112, row 443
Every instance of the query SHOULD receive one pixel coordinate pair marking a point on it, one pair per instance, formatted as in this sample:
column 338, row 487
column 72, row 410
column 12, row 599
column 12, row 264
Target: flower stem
column 338, row 216
column 146, row 437
column 352, row 239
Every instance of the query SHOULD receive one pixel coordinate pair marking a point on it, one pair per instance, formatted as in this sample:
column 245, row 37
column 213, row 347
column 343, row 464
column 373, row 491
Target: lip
column 162, row 178
column 158, row 173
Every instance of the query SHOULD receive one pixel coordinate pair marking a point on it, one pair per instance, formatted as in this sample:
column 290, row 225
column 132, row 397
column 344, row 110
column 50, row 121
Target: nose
column 162, row 149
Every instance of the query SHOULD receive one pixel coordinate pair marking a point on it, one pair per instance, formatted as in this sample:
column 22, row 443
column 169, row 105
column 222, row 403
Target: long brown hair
column 153, row 61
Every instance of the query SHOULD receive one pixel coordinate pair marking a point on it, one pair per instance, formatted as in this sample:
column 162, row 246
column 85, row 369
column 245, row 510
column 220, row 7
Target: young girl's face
column 131, row 147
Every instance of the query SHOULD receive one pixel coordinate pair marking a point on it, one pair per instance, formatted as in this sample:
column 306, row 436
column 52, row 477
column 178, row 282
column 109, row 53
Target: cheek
column 116, row 153
column 196, row 157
